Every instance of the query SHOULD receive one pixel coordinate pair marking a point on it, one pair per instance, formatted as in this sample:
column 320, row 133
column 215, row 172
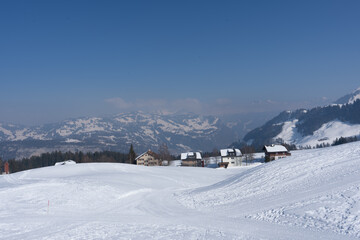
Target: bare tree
column 164, row 153
column 248, row 154
column 215, row 152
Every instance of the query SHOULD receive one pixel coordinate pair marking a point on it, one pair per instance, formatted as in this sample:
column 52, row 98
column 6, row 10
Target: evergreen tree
column 132, row 155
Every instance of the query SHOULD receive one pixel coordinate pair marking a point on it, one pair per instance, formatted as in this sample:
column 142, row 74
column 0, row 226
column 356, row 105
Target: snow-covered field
column 314, row 194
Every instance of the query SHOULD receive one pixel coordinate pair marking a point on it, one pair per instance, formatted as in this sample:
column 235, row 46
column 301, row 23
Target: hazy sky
column 62, row 59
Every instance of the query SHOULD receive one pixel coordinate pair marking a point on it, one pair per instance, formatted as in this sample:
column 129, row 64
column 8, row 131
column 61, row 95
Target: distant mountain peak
column 319, row 126
column 349, row 98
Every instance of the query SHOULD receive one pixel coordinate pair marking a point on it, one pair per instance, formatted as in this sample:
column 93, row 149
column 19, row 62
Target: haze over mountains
column 184, row 132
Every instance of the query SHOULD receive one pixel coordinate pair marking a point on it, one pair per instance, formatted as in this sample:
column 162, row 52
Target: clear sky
column 62, row 59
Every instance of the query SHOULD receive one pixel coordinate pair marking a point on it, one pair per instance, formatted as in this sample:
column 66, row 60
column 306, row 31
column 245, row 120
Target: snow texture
column 313, row 194
column 67, row 162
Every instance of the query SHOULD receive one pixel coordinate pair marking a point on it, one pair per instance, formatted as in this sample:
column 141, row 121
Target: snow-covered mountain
column 349, row 98
column 314, row 127
column 181, row 132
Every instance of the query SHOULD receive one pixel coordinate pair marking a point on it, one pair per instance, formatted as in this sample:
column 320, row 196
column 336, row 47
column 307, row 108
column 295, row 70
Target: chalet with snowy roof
column 148, row 158
column 273, row 152
column 230, row 157
column 191, row 159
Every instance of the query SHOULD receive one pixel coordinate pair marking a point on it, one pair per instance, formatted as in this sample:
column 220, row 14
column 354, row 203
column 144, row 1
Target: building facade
column 148, row 158
column 273, row 152
column 231, row 157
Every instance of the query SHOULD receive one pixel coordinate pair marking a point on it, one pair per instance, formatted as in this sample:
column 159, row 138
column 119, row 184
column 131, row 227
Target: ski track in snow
column 314, row 194
column 338, row 212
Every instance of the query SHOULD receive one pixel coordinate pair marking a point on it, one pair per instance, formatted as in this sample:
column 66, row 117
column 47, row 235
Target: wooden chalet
column 273, row 152
column 148, row 158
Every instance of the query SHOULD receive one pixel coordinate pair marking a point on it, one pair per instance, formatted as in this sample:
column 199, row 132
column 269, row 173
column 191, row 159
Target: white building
column 232, row 156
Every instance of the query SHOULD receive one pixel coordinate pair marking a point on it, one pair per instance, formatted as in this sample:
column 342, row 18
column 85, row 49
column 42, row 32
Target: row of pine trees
column 49, row 159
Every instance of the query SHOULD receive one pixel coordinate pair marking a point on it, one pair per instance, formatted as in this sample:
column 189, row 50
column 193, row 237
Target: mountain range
column 185, row 131
column 319, row 126
column 181, row 132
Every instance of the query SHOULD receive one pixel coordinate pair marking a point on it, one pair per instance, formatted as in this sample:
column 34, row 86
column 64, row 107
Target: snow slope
column 314, row 194
column 311, row 127
column 327, row 133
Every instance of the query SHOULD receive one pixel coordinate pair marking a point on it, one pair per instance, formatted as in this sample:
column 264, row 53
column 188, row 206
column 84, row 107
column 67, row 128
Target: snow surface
column 327, row 133
column 314, row 194
column 5, row 131
column 190, row 125
column 354, row 98
column 65, row 163
column 71, row 140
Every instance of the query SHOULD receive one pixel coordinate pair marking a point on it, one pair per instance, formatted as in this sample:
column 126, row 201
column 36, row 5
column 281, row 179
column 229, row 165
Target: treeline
column 343, row 140
column 337, row 141
column 49, row 159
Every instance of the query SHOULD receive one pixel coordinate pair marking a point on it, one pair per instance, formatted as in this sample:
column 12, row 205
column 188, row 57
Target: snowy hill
column 181, row 132
column 317, row 126
column 314, row 194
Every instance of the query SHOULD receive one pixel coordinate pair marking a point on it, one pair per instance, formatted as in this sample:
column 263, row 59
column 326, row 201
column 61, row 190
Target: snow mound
column 311, row 189
column 67, row 162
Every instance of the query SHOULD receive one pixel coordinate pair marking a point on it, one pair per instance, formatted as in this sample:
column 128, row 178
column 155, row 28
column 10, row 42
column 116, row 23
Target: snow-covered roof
column 65, row 162
column 275, row 148
column 194, row 155
column 228, row 151
column 151, row 153
column 140, row 155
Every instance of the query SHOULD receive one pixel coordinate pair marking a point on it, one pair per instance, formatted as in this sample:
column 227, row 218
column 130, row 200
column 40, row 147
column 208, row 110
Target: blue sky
column 62, row 59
